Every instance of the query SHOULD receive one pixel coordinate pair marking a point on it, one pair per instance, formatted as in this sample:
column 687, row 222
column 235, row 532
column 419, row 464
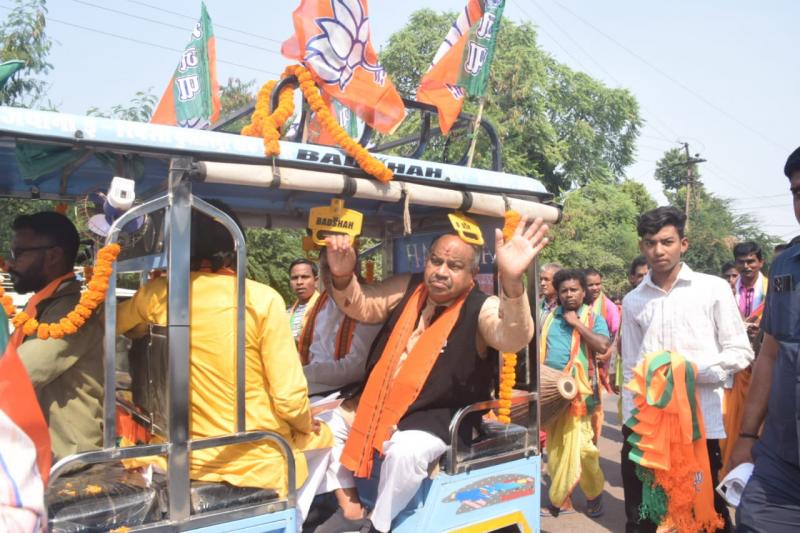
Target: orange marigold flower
column 43, row 331
column 30, row 327
column 20, row 319
column 56, row 332
column 83, row 311
column 68, row 327
column 512, row 219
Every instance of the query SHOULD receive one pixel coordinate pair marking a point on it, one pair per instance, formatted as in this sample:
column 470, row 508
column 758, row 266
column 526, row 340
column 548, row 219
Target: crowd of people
column 404, row 354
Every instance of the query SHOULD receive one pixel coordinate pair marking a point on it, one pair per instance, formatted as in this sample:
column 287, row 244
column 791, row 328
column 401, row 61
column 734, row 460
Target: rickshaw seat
column 107, row 496
column 100, row 498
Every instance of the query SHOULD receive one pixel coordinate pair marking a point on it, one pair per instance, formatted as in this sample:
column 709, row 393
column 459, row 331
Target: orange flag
column 332, row 39
column 438, row 86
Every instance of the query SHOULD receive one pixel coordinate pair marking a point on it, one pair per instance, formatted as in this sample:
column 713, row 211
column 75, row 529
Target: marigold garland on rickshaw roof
column 266, row 125
column 90, row 300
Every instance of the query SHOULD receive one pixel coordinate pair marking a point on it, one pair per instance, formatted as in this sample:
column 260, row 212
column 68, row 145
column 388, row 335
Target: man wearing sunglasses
column 67, row 373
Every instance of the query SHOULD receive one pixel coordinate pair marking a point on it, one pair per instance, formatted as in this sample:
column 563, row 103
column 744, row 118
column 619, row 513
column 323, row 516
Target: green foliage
column 22, row 36
column 557, row 125
column 269, row 253
column 599, row 230
column 140, row 108
column 234, row 95
column 671, row 170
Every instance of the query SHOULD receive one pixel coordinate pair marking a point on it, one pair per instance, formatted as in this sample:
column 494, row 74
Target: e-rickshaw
column 492, row 485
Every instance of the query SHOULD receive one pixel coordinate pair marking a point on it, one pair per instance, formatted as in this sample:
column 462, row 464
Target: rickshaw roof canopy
column 60, row 156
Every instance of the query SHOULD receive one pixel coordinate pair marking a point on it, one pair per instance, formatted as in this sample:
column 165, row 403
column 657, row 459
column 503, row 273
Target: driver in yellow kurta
column 276, row 389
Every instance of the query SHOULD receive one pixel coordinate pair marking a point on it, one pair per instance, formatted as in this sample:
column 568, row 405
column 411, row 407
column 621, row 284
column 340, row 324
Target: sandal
column 594, row 508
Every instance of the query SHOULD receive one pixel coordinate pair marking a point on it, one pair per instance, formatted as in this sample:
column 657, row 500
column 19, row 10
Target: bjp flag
column 462, row 62
column 191, row 99
column 332, row 40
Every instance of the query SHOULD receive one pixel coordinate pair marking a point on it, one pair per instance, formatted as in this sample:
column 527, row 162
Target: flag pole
column 475, row 126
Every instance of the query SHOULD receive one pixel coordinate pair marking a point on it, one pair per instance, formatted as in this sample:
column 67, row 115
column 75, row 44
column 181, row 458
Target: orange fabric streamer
column 733, row 409
column 344, row 336
column 394, row 384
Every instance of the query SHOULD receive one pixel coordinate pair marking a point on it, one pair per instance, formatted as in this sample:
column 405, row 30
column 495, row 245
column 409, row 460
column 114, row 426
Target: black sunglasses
column 14, row 253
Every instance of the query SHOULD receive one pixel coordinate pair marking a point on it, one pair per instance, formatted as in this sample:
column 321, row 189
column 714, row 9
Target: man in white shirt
column 694, row 314
column 337, row 353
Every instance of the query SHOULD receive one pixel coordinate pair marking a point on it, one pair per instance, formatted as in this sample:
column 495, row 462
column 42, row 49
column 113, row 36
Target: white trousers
column 325, row 472
column 406, row 458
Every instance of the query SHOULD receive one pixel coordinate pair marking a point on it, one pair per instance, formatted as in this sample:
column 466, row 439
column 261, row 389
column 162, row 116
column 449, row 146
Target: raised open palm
column 515, row 255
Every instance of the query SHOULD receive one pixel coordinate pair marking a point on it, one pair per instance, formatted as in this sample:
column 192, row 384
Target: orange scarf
column 20, row 396
column 669, row 444
column 390, row 391
column 344, row 336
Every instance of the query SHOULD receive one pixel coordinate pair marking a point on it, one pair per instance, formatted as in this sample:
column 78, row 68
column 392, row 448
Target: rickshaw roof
column 65, row 157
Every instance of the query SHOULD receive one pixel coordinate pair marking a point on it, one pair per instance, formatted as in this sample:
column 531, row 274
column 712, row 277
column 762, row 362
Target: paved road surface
column 614, row 517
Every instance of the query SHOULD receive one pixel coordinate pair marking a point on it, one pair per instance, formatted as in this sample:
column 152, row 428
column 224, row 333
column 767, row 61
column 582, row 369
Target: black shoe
column 337, row 523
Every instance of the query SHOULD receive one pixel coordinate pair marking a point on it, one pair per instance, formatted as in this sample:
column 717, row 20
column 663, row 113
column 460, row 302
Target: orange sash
column 393, row 384
column 344, row 336
column 30, row 308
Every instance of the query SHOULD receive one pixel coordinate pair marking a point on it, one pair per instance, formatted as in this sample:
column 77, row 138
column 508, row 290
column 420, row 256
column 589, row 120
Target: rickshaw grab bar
column 493, row 205
column 109, row 340
column 458, row 418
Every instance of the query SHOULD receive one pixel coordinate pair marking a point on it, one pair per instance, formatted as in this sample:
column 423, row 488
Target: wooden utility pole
column 690, row 162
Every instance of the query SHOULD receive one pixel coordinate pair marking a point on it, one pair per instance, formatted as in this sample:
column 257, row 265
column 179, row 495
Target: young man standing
column 603, row 306
column 637, row 271
column 303, row 276
column 751, row 286
column 771, row 500
column 730, row 274
column 680, row 310
column 571, row 334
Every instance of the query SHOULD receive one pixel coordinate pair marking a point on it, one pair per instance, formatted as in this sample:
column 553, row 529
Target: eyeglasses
column 14, row 253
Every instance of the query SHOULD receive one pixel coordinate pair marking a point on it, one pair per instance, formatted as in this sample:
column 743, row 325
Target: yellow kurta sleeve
column 288, row 388
column 145, row 307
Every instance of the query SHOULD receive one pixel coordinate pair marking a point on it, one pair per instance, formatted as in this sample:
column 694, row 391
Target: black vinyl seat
column 107, row 496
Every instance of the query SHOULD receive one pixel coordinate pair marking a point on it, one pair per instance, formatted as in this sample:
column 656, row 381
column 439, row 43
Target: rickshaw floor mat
column 107, row 496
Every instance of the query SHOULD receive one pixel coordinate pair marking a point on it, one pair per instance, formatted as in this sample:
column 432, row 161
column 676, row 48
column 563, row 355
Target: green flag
column 479, row 50
column 8, row 69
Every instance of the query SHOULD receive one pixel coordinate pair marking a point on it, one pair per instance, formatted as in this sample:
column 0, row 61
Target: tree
column 671, row 170
column 557, row 125
column 23, row 37
column 140, row 108
column 598, row 230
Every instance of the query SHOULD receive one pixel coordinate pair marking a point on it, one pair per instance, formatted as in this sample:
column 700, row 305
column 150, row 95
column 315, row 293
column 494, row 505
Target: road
column 614, row 517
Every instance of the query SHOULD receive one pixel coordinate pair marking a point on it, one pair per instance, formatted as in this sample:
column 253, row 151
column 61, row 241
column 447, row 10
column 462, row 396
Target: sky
column 718, row 74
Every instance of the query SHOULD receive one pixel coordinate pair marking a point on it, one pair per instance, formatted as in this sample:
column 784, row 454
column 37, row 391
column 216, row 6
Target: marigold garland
column 268, row 125
column 508, row 377
column 7, row 303
column 508, row 371
column 90, row 300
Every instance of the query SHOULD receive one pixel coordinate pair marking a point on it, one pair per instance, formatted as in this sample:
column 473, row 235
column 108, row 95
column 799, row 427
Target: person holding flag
column 191, row 99
column 462, row 62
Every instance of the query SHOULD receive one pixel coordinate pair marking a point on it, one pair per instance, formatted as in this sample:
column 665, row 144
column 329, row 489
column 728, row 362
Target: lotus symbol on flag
column 340, row 50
